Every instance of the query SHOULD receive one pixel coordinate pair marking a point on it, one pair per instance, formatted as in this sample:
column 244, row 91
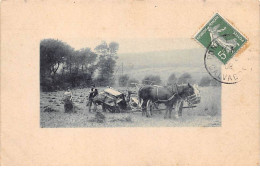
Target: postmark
column 229, row 73
column 221, row 36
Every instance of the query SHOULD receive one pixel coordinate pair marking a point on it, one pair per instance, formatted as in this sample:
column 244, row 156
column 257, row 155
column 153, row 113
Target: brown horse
column 169, row 96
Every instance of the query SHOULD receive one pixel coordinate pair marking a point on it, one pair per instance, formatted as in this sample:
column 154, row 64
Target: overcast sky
column 137, row 45
column 140, row 57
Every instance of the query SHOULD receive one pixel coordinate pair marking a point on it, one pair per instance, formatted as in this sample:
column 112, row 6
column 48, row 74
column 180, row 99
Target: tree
column 205, row 81
column 172, row 79
column 113, row 48
column 86, row 59
column 80, row 66
column 123, row 80
column 107, row 62
column 69, row 60
column 185, row 78
column 152, row 79
column 52, row 54
column 62, row 66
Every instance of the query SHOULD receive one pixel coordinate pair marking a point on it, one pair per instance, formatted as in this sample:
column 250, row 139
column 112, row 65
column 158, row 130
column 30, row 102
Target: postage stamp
column 222, row 39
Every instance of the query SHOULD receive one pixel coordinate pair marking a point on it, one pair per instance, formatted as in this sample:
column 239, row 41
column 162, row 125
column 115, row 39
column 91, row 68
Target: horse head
column 191, row 94
column 187, row 90
column 184, row 90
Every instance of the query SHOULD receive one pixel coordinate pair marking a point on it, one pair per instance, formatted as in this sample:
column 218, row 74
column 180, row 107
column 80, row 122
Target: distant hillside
column 163, row 63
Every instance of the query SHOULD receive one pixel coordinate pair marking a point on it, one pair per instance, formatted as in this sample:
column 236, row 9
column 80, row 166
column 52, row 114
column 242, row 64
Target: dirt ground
column 206, row 114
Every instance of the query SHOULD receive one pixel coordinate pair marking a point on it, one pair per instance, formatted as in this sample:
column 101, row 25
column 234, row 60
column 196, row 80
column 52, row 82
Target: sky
column 140, row 57
column 137, row 45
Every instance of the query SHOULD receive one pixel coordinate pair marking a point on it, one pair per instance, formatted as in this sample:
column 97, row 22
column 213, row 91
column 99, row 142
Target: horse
column 169, row 95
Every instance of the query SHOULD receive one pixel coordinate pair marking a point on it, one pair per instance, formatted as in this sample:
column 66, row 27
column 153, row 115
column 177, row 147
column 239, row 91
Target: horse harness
column 177, row 93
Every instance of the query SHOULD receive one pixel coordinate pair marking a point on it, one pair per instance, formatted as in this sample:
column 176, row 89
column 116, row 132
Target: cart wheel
column 149, row 108
column 107, row 107
column 131, row 104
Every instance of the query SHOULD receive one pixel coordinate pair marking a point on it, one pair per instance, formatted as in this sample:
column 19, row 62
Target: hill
column 163, row 63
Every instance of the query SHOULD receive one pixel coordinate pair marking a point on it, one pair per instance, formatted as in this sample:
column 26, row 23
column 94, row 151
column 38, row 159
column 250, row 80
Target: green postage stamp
column 220, row 38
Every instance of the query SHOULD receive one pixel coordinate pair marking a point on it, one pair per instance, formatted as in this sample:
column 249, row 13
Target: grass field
column 206, row 114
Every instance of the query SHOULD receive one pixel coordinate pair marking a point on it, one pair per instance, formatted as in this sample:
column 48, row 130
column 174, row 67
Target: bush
column 208, row 81
column 172, row 79
column 46, row 84
column 185, row 78
column 152, row 79
column 205, row 81
column 123, row 80
column 131, row 82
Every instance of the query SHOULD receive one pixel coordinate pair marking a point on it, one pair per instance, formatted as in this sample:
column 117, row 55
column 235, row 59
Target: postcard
column 130, row 82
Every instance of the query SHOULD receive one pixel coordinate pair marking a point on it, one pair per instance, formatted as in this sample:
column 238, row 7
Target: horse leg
column 169, row 109
column 176, row 109
column 180, row 109
column 170, row 113
column 166, row 112
column 144, row 107
column 156, row 106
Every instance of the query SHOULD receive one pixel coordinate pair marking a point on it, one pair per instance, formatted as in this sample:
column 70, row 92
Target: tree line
column 62, row 66
column 125, row 80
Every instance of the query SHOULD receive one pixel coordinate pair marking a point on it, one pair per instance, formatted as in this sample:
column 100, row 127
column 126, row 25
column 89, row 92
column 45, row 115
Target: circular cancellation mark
column 230, row 73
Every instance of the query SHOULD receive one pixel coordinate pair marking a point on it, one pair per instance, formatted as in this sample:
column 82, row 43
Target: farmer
column 92, row 94
column 68, row 105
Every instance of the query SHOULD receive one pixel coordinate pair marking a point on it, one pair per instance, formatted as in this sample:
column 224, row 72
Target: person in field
column 68, row 104
column 93, row 93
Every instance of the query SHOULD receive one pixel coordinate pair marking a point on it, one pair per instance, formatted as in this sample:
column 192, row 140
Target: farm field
column 206, row 114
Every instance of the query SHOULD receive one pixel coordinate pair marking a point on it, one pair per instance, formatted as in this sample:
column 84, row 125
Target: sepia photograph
column 126, row 83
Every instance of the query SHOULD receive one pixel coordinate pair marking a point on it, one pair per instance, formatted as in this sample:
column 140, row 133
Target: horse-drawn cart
column 111, row 100
column 116, row 102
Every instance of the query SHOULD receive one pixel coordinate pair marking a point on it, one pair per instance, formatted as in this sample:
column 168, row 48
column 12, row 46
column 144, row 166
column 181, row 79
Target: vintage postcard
column 130, row 82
